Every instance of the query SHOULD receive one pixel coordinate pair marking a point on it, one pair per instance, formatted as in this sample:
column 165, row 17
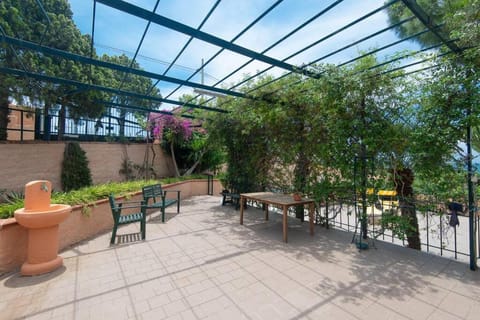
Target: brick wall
column 15, row 123
column 24, row 162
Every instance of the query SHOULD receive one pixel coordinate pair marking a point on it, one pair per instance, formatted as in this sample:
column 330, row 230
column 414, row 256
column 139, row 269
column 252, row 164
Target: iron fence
column 31, row 124
column 437, row 234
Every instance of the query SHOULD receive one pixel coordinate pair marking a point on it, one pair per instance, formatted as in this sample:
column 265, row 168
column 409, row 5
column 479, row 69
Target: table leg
column 311, row 212
column 265, row 208
column 241, row 210
column 285, row 226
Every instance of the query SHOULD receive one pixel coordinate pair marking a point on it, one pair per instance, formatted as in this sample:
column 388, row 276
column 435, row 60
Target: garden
column 330, row 132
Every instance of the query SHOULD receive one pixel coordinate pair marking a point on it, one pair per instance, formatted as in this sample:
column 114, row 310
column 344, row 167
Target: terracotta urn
column 41, row 218
column 297, row 196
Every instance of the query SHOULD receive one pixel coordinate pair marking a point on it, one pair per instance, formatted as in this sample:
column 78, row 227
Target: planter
column 41, row 219
column 78, row 226
column 297, row 196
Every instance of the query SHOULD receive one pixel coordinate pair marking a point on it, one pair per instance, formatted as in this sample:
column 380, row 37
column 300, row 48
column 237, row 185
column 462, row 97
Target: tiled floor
column 202, row 264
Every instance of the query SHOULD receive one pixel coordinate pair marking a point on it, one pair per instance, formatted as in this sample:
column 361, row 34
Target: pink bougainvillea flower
column 159, row 122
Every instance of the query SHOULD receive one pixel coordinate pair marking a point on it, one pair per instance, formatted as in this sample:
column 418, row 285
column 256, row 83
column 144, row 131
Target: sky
column 117, row 32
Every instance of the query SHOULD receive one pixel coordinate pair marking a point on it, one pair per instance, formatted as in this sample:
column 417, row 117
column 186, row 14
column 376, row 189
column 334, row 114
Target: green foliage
column 11, row 197
column 446, row 184
column 134, row 171
column 189, row 142
column 330, row 188
column 83, row 196
column 88, row 195
column 129, row 82
column 400, row 226
column 244, row 171
column 435, row 9
column 247, row 141
column 299, row 134
column 127, row 169
column 458, row 20
column 449, row 90
column 197, row 154
column 75, row 171
column 9, row 202
column 25, row 19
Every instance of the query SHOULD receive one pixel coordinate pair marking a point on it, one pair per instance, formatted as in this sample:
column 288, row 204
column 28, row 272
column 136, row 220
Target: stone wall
column 24, row 162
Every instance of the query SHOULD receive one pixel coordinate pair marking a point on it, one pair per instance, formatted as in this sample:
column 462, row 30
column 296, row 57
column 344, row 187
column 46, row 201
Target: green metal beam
column 143, row 109
column 343, row 28
column 427, row 22
column 113, row 66
column 182, row 28
column 372, row 52
column 254, row 22
column 86, row 86
column 179, row 53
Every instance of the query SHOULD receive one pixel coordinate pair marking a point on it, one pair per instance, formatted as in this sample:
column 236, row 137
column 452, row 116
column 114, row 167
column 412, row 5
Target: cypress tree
column 75, row 171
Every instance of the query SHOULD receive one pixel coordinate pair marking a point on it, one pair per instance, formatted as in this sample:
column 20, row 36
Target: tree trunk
column 46, row 122
column 172, row 151
column 194, row 166
column 302, row 171
column 121, row 122
column 61, row 122
column 403, row 184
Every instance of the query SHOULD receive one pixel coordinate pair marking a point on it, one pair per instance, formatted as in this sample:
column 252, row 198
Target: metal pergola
column 338, row 40
column 266, row 59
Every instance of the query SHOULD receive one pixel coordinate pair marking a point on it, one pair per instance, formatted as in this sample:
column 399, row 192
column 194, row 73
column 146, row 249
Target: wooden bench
column 118, row 218
column 155, row 192
column 231, row 197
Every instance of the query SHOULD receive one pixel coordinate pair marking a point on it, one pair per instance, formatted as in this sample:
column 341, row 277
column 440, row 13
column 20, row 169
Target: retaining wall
column 28, row 161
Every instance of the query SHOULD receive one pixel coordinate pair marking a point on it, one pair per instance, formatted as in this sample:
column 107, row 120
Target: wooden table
column 283, row 201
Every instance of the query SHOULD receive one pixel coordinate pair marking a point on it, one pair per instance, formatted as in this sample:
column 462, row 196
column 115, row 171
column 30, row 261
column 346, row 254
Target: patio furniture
column 230, row 197
column 283, row 201
column 118, row 218
column 155, row 192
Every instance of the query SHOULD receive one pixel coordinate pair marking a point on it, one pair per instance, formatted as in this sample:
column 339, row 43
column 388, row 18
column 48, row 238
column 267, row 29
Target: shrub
column 88, row 195
column 75, row 171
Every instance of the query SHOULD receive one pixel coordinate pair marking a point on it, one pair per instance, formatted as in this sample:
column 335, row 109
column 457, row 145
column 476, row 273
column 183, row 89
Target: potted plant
column 297, row 196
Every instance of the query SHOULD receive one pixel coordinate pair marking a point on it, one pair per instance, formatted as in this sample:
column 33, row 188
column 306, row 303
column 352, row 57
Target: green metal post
column 471, row 199
column 363, row 223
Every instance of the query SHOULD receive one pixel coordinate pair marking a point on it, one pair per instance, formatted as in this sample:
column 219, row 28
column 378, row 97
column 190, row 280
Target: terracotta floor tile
column 202, row 264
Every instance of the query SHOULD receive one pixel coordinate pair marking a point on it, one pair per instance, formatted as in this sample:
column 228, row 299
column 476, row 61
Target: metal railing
column 31, row 124
column 436, row 234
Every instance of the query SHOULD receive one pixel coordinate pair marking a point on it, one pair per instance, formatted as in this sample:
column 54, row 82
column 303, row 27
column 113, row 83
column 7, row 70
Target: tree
column 366, row 136
column 289, row 111
column 75, row 171
column 50, row 26
column 247, row 142
column 476, row 139
column 450, row 95
column 172, row 130
column 129, row 82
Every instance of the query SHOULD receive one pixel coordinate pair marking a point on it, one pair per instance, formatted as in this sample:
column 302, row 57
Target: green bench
column 118, row 218
column 159, row 198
